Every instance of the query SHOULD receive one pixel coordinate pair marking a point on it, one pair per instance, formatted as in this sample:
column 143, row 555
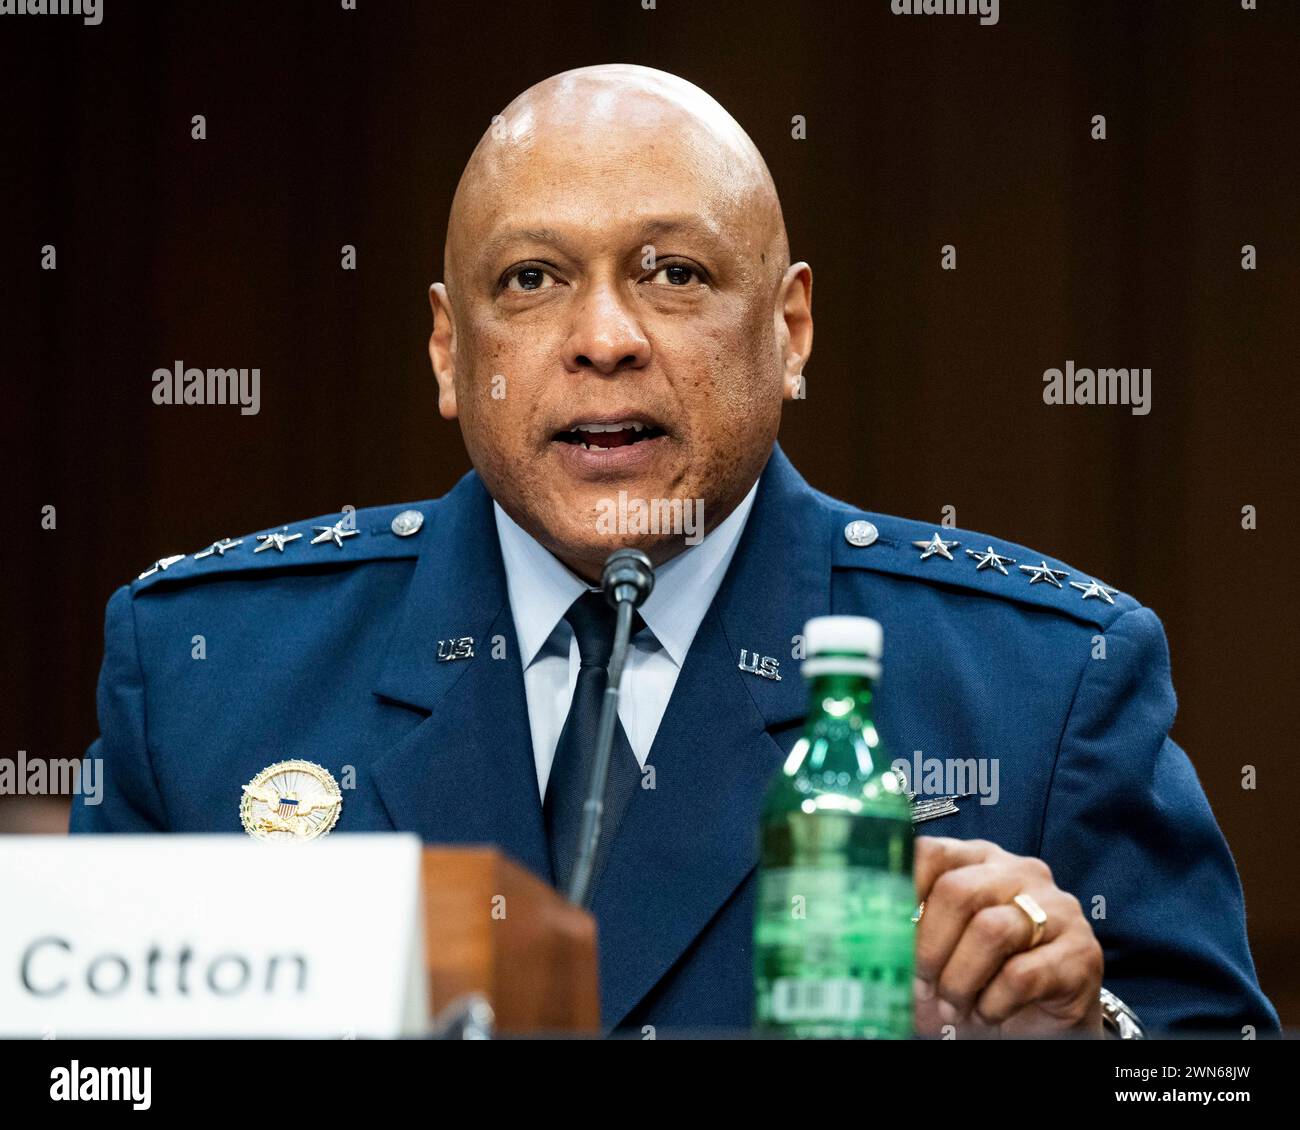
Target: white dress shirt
column 542, row 589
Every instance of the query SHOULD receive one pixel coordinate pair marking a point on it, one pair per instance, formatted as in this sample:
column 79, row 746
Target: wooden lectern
column 490, row 926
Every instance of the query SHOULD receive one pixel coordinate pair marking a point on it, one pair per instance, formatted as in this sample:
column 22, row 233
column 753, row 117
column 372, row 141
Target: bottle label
column 835, row 998
column 835, row 945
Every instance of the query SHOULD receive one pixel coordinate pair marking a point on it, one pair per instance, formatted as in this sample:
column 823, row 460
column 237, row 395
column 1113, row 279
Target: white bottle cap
column 843, row 635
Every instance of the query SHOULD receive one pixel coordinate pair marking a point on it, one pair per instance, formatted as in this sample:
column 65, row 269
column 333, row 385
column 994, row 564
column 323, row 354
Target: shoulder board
column 375, row 533
column 973, row 561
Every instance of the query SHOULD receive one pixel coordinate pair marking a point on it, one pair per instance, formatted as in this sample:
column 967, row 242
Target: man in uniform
column 620, row 319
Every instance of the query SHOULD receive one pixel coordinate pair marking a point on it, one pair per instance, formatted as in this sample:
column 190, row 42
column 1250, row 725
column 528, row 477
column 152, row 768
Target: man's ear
column 442, row 349
column 795, row 326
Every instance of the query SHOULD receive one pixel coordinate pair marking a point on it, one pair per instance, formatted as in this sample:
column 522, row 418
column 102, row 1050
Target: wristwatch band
column 1118, row 1019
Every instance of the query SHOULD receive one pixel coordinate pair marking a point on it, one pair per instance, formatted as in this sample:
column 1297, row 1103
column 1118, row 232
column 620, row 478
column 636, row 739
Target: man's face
column 617, row 323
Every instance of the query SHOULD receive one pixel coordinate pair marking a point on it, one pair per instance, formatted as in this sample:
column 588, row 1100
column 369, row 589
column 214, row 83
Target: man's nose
column 606, row 335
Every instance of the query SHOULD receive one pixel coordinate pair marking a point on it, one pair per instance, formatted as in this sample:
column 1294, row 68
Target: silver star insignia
column 936, row 544
column 335, row 533
column 1044, row 572
column 276, row 541
column 1095, row 588
column 161, row 565
column 990, row 560
column 219, row 548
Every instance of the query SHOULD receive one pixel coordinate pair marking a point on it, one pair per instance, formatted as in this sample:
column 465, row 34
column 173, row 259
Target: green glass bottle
column 833, row 933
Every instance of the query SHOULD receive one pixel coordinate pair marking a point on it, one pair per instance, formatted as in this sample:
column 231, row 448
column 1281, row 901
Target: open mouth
column 596, row 436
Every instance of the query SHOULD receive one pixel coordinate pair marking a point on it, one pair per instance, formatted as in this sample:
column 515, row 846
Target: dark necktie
column 592, row 620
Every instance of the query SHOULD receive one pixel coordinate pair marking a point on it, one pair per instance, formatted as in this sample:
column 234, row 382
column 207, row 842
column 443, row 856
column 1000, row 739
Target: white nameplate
column 210, row 936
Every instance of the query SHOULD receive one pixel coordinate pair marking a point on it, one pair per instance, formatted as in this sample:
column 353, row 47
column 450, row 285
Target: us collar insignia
column 290, row 800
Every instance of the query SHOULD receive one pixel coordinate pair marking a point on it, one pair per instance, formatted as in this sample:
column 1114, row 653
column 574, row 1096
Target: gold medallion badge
column 290, row 800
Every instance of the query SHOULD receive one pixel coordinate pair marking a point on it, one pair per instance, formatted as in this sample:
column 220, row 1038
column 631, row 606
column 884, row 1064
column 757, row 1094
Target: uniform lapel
column 686, row 844
column 466, row 773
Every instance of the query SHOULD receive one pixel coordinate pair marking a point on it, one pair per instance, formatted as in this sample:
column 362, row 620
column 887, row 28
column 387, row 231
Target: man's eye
column 529, row 278
column 676, row 274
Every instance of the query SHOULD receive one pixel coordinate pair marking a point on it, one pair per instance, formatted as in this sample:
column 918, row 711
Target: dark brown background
column 328, row 127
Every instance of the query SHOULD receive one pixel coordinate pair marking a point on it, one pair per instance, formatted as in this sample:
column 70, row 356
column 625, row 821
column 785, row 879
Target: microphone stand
column 626, row 590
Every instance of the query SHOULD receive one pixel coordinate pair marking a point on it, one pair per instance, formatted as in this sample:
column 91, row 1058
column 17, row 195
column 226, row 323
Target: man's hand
column 973, row 965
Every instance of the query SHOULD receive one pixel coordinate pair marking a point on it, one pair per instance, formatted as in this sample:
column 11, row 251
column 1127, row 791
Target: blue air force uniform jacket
column 327, row 652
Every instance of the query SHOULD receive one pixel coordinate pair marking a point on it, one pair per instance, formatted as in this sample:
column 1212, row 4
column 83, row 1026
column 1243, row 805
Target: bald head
column 570, row 125
column 619, row 316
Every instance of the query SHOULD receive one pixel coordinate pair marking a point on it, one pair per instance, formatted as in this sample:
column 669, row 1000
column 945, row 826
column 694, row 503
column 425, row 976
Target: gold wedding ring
column 1037, row 917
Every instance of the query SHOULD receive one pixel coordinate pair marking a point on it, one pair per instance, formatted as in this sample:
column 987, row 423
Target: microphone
column 628, row 578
